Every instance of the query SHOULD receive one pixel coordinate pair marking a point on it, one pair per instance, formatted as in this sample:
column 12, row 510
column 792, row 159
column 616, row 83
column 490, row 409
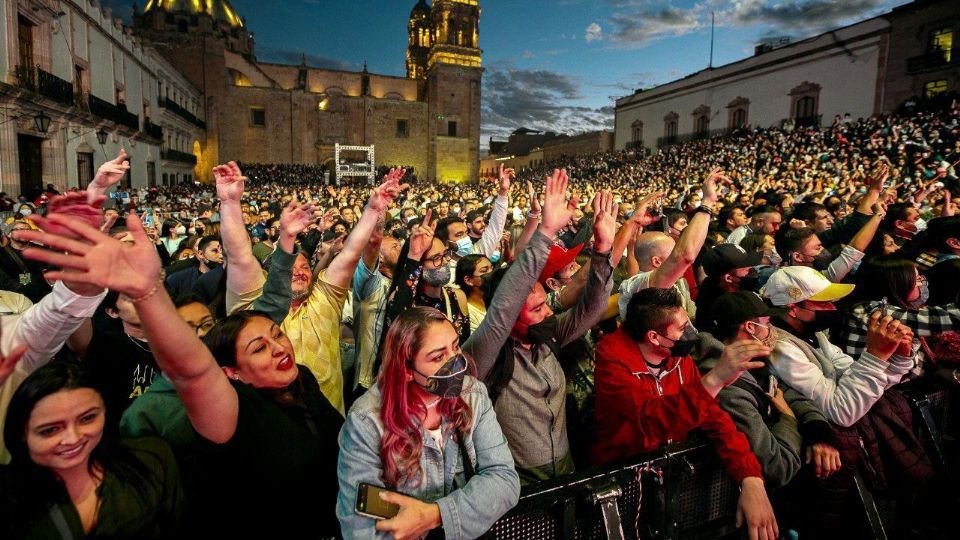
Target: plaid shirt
column 926, row 321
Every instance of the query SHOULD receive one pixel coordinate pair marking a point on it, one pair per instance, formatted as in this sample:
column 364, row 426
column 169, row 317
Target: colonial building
column 264, row 112
column 75, row 87
column 869, row 67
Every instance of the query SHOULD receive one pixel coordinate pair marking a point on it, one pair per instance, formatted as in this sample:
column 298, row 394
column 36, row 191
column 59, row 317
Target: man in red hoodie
column 649, row 393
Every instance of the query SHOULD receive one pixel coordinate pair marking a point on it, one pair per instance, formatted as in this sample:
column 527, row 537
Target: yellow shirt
column 314, row 331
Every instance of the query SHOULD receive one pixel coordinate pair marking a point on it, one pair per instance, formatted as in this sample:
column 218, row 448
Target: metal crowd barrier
column 683, row 492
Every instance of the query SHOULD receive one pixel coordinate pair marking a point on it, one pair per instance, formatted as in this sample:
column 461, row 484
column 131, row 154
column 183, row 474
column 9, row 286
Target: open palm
column 96, row 258
column 295, row 218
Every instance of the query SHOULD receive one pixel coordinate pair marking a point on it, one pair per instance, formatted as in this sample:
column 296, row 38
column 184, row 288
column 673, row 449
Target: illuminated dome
column 219, row 10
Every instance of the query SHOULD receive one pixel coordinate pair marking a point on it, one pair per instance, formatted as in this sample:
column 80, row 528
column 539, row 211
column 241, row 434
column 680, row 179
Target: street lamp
column 101, row 136
column 42, row 122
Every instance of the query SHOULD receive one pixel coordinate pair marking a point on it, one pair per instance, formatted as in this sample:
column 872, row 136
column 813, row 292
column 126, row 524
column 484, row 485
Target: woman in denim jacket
column 404, row 434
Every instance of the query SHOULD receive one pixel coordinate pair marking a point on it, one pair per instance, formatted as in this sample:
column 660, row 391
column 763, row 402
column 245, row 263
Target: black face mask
column 545, row 333
column 447, row 382
column 684, row 344
column 749, row 282
column 822, row 261
column 823, row 320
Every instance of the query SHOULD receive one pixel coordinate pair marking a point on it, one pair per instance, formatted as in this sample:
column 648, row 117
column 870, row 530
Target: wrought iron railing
column 46, row 84
column 175, row 108
column 934, row 60
column 176, row 155
column 152, row 130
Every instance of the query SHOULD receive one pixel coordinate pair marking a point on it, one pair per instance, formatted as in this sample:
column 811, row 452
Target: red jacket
column 637, row 412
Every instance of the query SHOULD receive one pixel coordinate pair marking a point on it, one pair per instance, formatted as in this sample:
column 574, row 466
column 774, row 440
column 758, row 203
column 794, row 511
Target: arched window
column 806, row 107
column 702, row 125
column 636, row 133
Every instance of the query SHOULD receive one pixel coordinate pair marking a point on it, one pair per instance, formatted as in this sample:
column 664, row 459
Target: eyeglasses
column 203, row 327
column 439, row 259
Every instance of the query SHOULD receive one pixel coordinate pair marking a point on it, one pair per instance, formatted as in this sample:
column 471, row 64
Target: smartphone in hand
column 371, row 505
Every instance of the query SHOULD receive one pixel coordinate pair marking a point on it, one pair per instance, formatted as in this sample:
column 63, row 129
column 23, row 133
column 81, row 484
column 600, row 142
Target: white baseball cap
column 793, row 284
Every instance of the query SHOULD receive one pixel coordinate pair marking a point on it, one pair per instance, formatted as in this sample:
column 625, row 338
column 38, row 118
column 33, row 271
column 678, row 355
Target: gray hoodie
column 775, row 438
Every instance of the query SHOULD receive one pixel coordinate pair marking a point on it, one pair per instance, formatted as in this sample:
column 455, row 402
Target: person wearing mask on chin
column 517, row 346
column 649, row 392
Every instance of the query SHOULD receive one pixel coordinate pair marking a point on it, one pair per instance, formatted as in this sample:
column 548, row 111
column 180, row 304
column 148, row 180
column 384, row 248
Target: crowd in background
column 183, row 358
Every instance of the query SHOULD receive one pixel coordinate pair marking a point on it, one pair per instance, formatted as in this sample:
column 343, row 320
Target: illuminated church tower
column 452, row 90
column 420, row 37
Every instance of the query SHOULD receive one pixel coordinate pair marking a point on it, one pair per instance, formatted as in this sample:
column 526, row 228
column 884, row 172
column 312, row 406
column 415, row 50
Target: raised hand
column 504, row 177
column 77, row 205
column 710, row 185
column 295, row 218
column 108, row 174
column 534, row 200
column 327, row 220
column 389, row 190
column 556, row 212
column 640, row 215
column 230, row 182
column 886, row 335
column 604, row 221
column 736, row 358
column 421, row 237
column 95, row 258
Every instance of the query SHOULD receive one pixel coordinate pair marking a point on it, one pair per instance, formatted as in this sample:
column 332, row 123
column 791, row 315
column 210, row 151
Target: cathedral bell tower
column 420, row 37
column 452, row 90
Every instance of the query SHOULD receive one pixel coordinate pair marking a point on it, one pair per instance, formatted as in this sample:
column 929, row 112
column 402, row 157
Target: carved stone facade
column 262, row 112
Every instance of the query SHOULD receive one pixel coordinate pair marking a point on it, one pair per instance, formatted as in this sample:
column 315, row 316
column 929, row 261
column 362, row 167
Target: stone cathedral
column 260, row 112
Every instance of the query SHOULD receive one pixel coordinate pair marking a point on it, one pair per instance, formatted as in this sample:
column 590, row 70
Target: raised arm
column 490, row 240
column 245, row 274
column 484, row 344
column 134, row 270
column 533, row 220
column 108, row 174
column 341, row 268
column 691, row 239
column 276, row 296
column 627, row 234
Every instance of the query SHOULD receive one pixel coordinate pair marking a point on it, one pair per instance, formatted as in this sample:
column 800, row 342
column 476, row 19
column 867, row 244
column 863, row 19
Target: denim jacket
column 467, row 509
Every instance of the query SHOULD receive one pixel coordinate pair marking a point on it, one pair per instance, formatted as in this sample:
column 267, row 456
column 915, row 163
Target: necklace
column 137, row 343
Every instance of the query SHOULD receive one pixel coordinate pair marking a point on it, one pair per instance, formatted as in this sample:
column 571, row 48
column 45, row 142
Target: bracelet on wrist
column 533, row 215
column 153, row 290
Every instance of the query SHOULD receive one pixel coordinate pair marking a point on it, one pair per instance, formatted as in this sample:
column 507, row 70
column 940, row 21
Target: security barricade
column 681, row 492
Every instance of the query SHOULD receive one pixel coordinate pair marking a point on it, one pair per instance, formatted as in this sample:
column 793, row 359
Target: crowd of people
column 258, row 355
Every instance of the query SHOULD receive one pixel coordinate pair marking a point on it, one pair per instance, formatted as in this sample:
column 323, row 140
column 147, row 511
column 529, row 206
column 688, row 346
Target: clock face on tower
column 459, row 72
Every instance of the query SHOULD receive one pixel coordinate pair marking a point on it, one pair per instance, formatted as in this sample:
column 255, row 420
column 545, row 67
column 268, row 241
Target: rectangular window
column 84, row 169
column 402, row 129
column 258, row 117
column 451, row 128
column 933, row 88
column 942, row 40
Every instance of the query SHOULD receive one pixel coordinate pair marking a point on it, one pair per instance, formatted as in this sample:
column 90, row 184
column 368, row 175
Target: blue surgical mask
column 464, row 246
column 495, row 258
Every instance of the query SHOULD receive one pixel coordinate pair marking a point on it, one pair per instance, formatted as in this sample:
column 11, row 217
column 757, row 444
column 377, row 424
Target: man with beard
column 313, row 324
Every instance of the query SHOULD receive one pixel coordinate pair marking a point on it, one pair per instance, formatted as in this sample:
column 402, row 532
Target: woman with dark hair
column 68, row 479
column 471, row 272
column 171, row 234
column 427, row 430
column 893, row 285
column 263, row 427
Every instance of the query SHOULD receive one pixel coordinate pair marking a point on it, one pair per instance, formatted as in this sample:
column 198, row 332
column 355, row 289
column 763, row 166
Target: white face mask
column 181, row 230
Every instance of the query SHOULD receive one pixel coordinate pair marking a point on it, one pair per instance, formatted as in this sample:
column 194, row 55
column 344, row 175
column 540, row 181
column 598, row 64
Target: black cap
column 474, row 214
column 733, row 309
column 723, row 258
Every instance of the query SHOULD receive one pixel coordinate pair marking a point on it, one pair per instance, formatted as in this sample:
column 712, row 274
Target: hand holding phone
column 371, row 505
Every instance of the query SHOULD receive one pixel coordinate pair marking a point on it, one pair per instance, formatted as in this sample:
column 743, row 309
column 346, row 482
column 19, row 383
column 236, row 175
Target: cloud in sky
column 635, row 23
column 594, row 32
column 536, row 99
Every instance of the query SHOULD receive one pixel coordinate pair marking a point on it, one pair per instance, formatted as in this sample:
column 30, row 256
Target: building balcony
column 634, row 145
column 48, row 85
column 178, row 156
column 152, row 130
column 808, row 121
column 175, row 108
column 117, row 114
column 933, row 61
